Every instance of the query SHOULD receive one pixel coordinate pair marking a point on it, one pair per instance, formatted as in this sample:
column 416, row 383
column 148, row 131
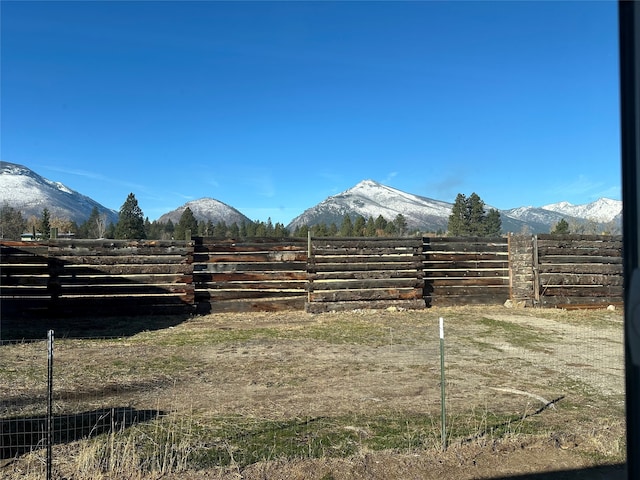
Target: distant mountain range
column 29, row 192
column 369, row 198
column 25, row 190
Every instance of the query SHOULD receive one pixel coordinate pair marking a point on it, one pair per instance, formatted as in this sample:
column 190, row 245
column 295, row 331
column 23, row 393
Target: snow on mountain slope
column 207, row 209
column 25, row 190
column 372, row 199
column 602, row 210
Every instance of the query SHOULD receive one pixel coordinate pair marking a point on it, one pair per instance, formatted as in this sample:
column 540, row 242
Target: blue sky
column 271, row 107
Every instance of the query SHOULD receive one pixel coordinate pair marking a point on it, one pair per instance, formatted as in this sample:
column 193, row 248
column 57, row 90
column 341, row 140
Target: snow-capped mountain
column 371, row 199
column 205, row 209
column 30, row 193
column 25, row 190
column 602, row 210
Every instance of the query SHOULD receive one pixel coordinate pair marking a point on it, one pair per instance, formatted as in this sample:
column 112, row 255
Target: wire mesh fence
column 234, row 389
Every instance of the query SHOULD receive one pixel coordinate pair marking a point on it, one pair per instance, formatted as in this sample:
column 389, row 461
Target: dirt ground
column 560, row 372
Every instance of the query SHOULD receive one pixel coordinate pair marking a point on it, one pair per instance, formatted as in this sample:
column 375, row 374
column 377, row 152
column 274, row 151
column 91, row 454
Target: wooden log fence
column 364, row 273
column 98, row 277
column 466, row 270
column 579, row 271
column 118, row 277
column 252, row 275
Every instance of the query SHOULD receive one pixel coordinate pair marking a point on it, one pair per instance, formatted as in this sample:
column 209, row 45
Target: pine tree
column 401, row 224
column 89, row 228
column 468, row 218
column 234, row 230
column 370, row 229
column 169, row 228
column 346, row 228
column 562, row 227
column 359, row 226
column 220, row 229
column 458, row 219
column 476, row 215
column 492, row 223
column 131, row 220
column 319, row 230
column 187, row 222
column 45, row 223
column 380, row 224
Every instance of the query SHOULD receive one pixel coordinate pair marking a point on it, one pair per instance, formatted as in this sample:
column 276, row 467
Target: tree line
column 132, row 224
column 468, row 218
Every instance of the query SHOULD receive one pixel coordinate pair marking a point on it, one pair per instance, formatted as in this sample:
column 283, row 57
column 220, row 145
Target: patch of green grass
column 243, row 441
column 214, row 336
column 354, row 332
column 523, row 336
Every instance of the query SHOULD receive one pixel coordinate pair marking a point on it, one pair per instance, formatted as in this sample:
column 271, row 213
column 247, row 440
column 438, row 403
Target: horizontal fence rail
column 579, row 270
column 121, row 277
column 463, row 271
column 105, row 277
column 262, row 274
column 353, row 273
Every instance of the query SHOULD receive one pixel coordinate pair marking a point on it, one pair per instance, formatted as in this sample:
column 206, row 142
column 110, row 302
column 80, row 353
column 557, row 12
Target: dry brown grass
column 338, row 395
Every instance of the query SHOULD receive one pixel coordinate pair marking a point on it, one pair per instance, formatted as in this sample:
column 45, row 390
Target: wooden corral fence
column 119, row 277
column 258, row 274
column 24, row 270
column 578, row 271
column 103, row 277
column 466, row 271
column 353, row 273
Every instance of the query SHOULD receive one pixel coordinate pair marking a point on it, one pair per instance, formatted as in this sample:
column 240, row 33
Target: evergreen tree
column 131, row 220
column 110, row 232
column 492, row 223
column 280, row 231
column 234, row 231
column 45, row 223
column 380, row 224
column 220, row 229
column 476, row 215
column 390, row 229
column 401, row 224
column 186, row 223
column 12, row 223
column 261, row 229
column 458, row 219
column 332, row 230
column 469, row 219
column 88, row 229
column 319, row 230
column 561, row 227
column 346, row 228
column 370, row 228
column 169, row 228
column 359, row 225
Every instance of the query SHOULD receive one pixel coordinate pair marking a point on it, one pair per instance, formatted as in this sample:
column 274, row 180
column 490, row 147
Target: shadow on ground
column 20, row 435
column 24, row 329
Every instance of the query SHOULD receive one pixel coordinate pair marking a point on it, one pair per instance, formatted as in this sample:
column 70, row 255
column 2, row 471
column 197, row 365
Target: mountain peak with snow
column 372, row 199
column 207, row 209
column 601, row 210
column 30, row 193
